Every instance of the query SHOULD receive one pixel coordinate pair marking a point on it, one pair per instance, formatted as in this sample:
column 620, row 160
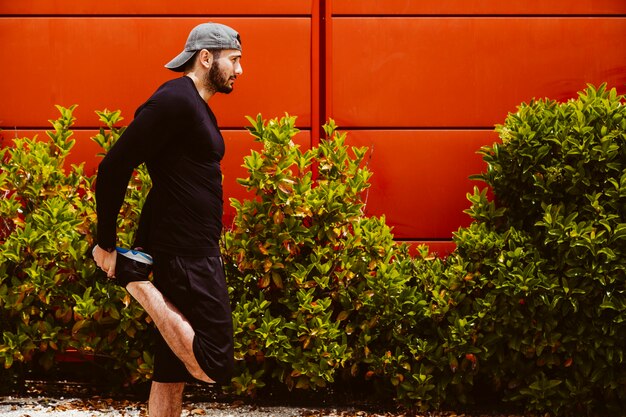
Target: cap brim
column 179, row 61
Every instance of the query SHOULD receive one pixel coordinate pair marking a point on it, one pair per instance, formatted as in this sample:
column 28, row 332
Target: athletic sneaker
column 132, row 265
column 135, row 255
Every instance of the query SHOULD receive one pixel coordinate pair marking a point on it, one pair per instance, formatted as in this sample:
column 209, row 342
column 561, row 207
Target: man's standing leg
column 206, row 305
column 166, row 399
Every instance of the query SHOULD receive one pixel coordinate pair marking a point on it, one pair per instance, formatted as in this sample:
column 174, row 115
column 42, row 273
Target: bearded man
column 176, row 135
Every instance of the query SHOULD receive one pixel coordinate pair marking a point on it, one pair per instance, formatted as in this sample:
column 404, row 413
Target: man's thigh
column 197, row 287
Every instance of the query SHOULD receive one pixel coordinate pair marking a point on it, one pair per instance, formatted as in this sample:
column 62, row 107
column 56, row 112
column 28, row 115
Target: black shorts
column 197, row 287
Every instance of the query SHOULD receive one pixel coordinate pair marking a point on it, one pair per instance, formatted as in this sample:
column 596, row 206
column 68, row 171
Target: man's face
column 224, row 71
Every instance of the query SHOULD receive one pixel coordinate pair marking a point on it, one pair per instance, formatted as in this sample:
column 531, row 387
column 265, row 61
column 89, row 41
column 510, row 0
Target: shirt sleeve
column 144, row 137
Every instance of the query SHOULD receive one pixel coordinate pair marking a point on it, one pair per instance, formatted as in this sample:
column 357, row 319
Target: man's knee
column 200, row 375
column 216, row 364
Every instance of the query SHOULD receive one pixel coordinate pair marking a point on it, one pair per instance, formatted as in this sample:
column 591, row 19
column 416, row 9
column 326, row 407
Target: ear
column 206, row 58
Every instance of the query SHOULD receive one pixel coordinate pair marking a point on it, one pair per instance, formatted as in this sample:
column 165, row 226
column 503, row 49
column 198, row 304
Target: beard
column 218, row 81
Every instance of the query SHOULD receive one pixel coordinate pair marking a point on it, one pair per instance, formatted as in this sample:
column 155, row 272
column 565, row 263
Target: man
column 176, row 134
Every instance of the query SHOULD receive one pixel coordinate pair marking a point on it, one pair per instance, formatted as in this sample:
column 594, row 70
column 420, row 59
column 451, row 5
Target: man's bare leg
column 166, row 399
column 172, row 325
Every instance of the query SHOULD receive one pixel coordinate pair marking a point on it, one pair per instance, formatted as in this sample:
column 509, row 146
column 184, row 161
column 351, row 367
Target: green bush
column 319, row 290
column 541, row 271
column 52, row 299
column 529, row 309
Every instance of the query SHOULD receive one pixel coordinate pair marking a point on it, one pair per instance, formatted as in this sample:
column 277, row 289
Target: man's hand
column 105, row 260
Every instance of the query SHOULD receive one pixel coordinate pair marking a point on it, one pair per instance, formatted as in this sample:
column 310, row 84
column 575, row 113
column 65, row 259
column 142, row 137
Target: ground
column 69, row 399
column 97, row 407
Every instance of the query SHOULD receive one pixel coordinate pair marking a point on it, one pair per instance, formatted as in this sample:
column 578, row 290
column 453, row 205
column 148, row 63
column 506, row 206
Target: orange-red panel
column 116, row 63
column 421, row 179
column 419, row 183
column 465, row 72
column 157, row 7
column 474, row 7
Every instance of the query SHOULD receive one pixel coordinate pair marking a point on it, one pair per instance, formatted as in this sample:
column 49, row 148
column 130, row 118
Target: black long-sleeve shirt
column 176, row 134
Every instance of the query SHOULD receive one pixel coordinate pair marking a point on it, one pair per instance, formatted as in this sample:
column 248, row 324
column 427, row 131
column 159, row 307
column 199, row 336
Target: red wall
column 422, row 83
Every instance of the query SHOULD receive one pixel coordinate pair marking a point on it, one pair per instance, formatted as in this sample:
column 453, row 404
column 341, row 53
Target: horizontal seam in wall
column 302, row 128
column 7, row 129
column 481, row 16
column 244, row 128
column 305, row 15
column 401, row 128
column 163, row 15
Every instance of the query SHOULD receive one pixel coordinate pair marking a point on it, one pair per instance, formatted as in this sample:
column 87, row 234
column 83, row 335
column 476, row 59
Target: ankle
column 137, row 287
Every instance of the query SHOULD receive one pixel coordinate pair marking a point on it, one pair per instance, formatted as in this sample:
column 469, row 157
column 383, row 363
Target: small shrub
column 319, row 290
column 51, row 297
column 542, row 267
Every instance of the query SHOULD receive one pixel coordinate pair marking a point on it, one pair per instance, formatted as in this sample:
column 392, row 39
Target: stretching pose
column 176, row 134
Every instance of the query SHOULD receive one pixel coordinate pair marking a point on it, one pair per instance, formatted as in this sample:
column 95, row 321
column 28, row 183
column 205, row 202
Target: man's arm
column 146, row 136
column 140, row 141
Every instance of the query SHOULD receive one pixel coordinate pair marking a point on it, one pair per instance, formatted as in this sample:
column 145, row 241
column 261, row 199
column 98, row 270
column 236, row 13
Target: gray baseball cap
column 206, row 36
